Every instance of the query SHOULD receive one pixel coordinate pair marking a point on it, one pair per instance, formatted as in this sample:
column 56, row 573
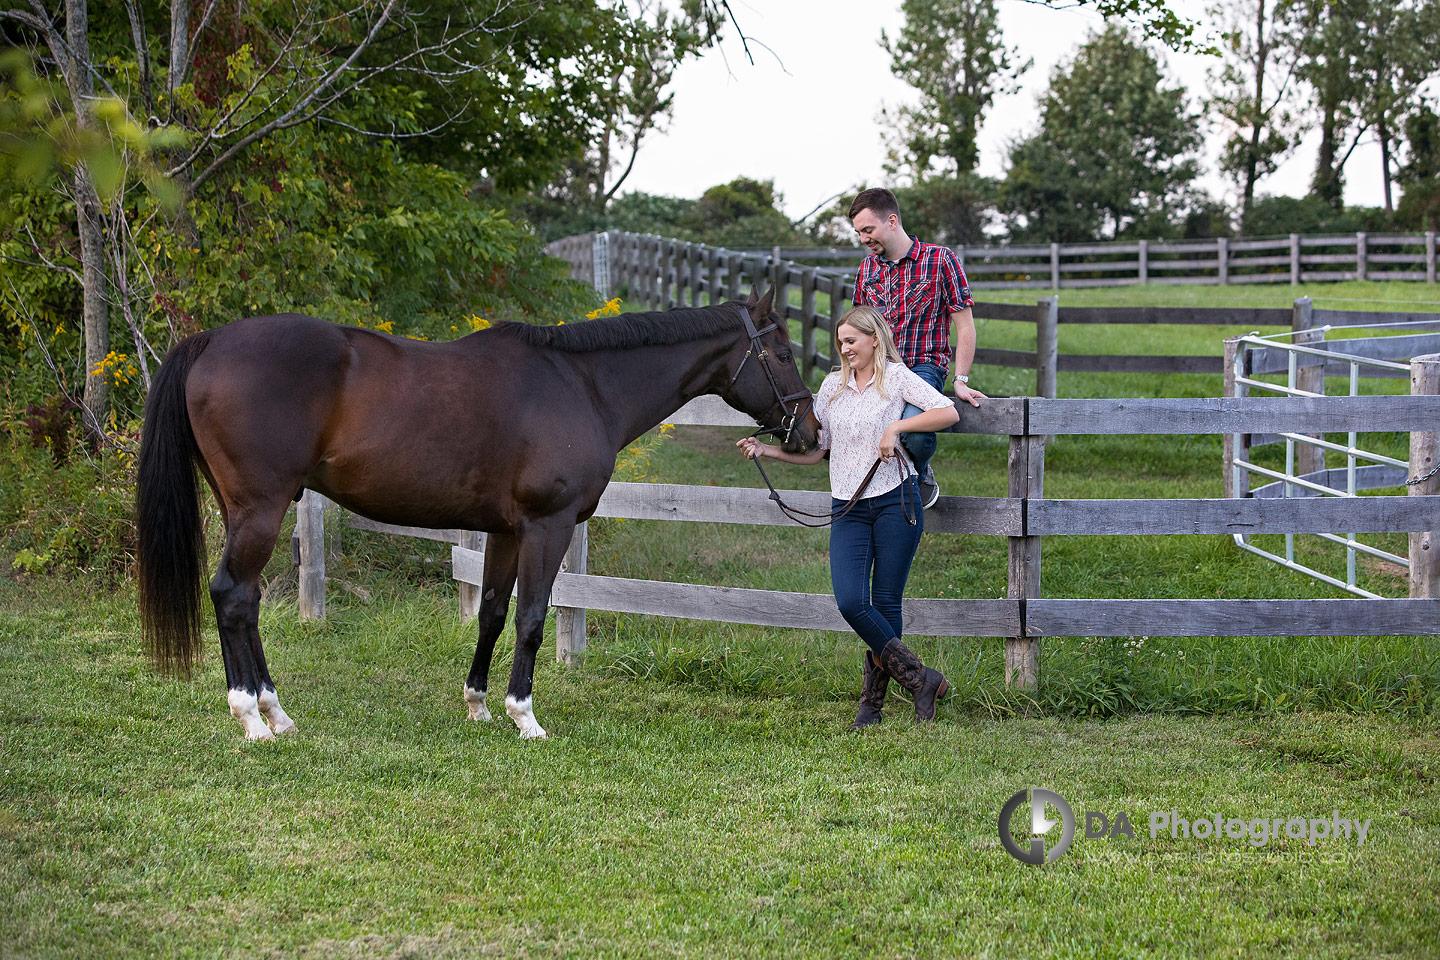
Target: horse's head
column 767, row 384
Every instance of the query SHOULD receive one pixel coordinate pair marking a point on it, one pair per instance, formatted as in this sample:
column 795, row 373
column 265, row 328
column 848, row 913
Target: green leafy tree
column 1115, row 146
column 1366, row 61
column 1419, row 207
column 952, row 53
column 1251, row 92
column 200, row 111
column 741, row 214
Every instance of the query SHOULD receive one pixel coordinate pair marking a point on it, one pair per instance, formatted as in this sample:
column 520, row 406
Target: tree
column 1114, row 146
column 741, row 214
column 1365, row 61
column 518, row 81
column 1419, row 206
column 1398, row 52
column 1251, row 90
column 952, row 53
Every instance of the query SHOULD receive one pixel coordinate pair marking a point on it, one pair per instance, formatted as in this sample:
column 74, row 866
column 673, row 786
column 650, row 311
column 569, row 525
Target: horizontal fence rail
column 663, row 274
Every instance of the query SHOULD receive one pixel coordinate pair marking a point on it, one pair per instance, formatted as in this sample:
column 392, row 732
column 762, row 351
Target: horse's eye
column 784, row 357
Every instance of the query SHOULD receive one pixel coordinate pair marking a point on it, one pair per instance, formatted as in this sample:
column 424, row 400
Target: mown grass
column 700, row 795
column 661, row 819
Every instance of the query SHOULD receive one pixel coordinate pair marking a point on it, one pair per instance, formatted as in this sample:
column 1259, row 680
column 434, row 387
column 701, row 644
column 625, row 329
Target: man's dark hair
column 878, row 199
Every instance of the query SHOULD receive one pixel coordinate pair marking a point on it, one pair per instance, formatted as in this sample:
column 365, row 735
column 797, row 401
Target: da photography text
column 1257, row 832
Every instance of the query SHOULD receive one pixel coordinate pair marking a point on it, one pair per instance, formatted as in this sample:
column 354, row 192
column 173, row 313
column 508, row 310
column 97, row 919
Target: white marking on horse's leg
column 520, row 711
column 245, row 707
column 280, row 722
column 475, row 701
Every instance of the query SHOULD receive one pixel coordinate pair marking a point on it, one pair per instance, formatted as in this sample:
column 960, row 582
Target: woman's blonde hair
column 868, row 322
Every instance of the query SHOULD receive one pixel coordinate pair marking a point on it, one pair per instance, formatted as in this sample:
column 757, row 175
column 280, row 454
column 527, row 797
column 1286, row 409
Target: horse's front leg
column 542, row 547
column 501, row 557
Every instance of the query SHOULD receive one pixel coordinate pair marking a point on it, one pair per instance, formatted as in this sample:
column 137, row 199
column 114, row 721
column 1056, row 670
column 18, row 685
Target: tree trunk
column 1326, row 183
column 96, row 312
column 1383, row 132
column 87, row 220
column 1257, row 120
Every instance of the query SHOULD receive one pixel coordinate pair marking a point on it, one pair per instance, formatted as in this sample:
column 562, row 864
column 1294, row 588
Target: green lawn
column 661, row 819
column 700, row 795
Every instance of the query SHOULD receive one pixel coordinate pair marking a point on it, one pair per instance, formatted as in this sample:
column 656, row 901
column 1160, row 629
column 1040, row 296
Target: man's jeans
column 871, row 549
column 921, row 446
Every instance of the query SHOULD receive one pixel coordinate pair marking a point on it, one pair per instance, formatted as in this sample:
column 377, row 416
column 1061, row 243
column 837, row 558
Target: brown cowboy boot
column 872, row 693
column 925, row 685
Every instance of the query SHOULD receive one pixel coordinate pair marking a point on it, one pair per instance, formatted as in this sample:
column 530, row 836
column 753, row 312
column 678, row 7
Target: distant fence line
column 1220, row 261
column 662, row 274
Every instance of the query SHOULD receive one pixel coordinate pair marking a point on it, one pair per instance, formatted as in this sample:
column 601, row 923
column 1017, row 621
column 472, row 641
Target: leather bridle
column 787, row 426
column 789, row 419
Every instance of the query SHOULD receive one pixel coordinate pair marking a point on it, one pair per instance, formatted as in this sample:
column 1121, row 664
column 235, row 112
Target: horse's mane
column 626, row 331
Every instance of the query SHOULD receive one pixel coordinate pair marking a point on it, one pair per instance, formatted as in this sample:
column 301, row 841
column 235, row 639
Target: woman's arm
column 927, row 421
column 753, row 448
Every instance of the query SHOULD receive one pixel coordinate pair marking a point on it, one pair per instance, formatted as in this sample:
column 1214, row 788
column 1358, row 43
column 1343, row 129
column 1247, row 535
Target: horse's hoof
column 475, row 705
column 524, row 716
column 264, row 733
column 287, row 727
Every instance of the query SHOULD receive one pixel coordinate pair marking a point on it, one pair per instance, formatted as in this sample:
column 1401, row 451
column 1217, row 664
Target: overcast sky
column 807, row 114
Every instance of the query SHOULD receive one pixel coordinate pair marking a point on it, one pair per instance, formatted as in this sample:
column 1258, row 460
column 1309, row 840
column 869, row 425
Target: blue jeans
column 871, row 548
column 921, row 446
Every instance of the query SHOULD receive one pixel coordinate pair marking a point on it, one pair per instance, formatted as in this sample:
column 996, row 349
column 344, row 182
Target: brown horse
column 512, row 430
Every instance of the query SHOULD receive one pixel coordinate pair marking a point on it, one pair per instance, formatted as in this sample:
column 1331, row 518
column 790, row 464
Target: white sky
column 819, row 114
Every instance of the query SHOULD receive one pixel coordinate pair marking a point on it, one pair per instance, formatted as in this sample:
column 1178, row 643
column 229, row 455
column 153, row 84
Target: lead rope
column 795, row 513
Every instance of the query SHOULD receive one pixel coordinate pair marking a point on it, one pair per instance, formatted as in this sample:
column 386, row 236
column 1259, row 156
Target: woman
column 873, row 542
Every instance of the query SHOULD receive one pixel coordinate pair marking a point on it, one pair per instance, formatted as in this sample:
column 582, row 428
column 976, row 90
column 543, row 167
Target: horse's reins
column 795, row 513
column 787, row 425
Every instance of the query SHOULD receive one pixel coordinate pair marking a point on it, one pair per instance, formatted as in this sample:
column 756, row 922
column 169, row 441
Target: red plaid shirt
column 917, row 294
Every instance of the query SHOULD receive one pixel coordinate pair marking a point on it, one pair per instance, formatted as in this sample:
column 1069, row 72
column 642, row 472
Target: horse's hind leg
column 542, row 548
column 501, row 557
column 235, row 591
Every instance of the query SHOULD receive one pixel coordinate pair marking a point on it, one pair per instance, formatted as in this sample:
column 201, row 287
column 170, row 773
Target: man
column 921, row 289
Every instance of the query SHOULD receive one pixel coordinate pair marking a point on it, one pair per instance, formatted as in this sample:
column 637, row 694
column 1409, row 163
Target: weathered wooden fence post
column 570, row 621
column 1430, row 256
column 1309, row 377
column 1424, row 458
column 1144, row 258
column 1054, row 266
column 1222, row 259
column 1047, row 346
column 470, row 592
column 1362, row 256
column 310, row 526
column 600, row 257
column 1236, row 481
column 716, row 256
column 1027, row 480
column 808, row 279
column 1294, row 259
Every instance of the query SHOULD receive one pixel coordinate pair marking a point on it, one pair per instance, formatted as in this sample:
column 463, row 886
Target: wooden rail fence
column 664, row 274
column 1026, row 516
column 1221, row 261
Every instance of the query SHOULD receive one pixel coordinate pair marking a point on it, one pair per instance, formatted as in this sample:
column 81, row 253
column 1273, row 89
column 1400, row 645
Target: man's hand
column 972, row 397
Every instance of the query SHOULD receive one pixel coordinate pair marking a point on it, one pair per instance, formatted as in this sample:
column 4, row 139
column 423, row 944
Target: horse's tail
column 170, row 552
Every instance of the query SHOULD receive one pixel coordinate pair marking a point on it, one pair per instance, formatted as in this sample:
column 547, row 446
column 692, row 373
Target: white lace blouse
column 853, row 421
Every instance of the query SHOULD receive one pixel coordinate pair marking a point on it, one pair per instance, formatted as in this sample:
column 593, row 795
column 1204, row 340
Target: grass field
column 700, row 795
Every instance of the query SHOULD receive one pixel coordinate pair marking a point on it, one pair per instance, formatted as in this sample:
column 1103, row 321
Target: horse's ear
column 754, row 296
column 766, row 303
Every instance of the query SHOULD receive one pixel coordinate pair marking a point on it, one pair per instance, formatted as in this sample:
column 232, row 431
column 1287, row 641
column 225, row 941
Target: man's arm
column 964, row 321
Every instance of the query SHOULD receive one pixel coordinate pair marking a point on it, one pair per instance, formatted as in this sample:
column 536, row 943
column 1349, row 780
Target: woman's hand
column 753, row 449
column 889, row 440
